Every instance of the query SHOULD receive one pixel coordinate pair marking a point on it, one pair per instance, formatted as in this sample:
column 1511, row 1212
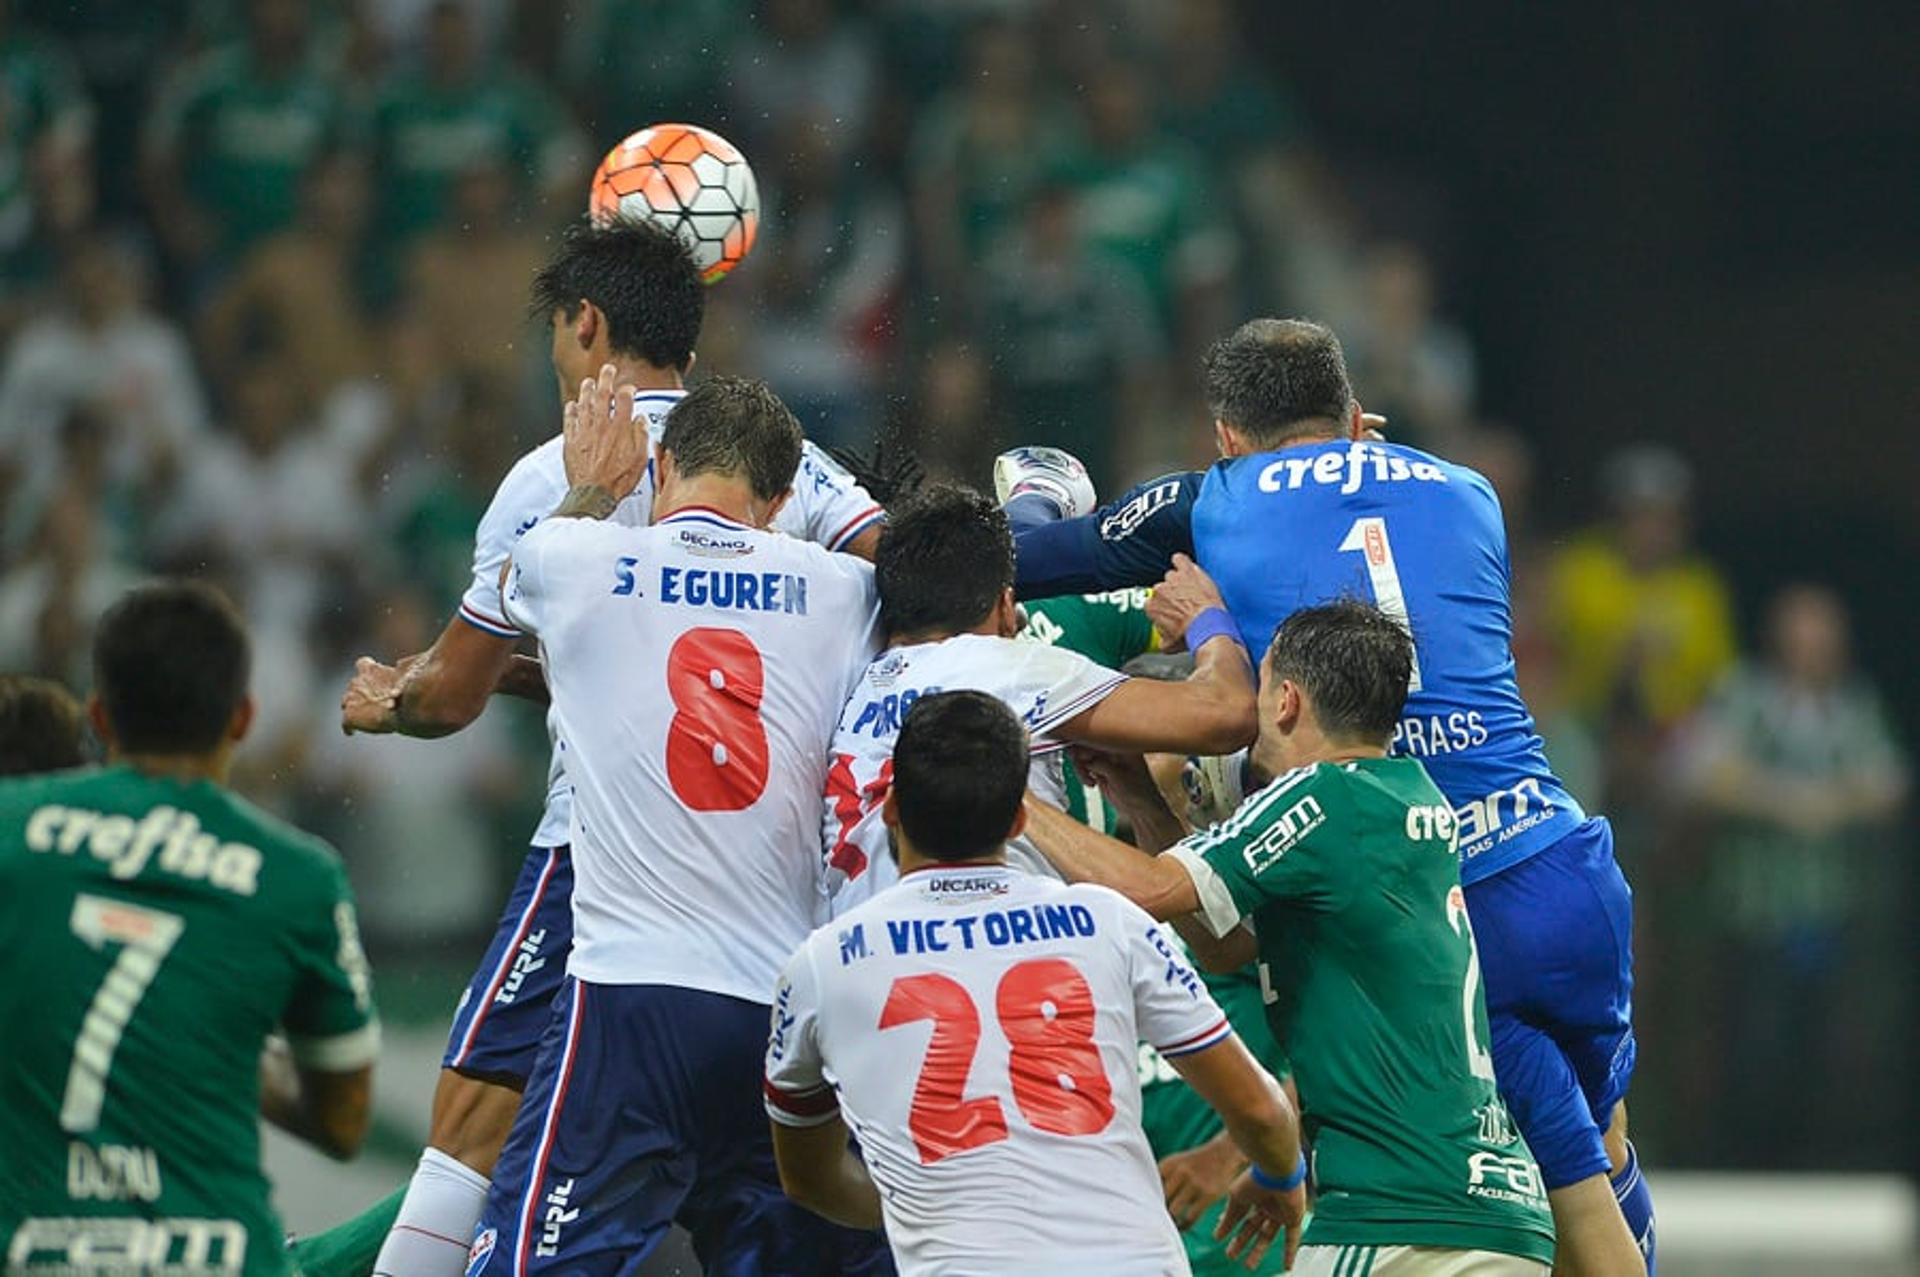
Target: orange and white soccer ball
column 688, row 179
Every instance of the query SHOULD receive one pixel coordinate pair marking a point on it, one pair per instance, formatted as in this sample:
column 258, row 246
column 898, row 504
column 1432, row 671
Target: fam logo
column 1277, row 839
column 1125, row 521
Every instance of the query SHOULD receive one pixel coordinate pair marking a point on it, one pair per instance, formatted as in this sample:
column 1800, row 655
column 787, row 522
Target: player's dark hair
column 41, row 727
column 643, row 279
column 735, row 426
column 1269, row 377
column 170, row 664
column 945, row 558
column 1353, row 661
column 959, row 774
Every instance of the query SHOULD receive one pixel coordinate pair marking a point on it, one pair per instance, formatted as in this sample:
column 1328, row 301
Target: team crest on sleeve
column 482, row 1248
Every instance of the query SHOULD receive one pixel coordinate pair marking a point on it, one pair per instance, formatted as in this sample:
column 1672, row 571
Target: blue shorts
column 1555, row 934
column 506, row 1007
column 645, row 1110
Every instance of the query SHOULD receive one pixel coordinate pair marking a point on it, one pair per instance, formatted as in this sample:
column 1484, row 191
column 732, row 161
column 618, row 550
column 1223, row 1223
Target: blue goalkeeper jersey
column 1421, row 538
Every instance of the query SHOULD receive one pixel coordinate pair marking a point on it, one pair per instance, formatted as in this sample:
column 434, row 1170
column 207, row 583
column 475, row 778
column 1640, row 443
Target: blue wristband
column 1286, row 1185
column 1210, row 624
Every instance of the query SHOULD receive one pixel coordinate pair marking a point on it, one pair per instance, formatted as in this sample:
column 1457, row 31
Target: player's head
column 1271, row 382
column 730, row 428
column 959, row 775
column 1333, row 681
column 170, row 667
column 41, row 728
column 624, row 292
column 945, row 566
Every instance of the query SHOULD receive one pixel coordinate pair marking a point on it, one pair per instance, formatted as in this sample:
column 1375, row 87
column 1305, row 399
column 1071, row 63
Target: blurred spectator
column 296, row 296
column 52, row 595
column 1074, row 346
column 798, row 65
column 280, row 492
column 1144, row 200
column 431, row 800
column 466, row 297
column 1795, row 758
column 979, row 153
column 640, row 62
column 45, row 125
column 823, row 314
column 461, row 111
column 952, row 424
column 232, row 134
column 1415, row 367
column 1211, row 96
column 101, row 350
column 1643, row 620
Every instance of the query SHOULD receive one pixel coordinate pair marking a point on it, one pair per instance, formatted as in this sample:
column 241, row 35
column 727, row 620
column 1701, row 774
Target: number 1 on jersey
column 1368, row 536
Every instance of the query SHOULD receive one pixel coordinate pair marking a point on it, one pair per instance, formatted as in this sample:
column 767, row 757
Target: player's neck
column 642, row 375
column 912, row 862
column 185, row 768
column 720, row 493
column 1305, row 746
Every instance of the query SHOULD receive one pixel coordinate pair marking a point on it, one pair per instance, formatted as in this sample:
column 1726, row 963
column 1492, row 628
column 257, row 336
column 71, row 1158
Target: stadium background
column 1652, row 267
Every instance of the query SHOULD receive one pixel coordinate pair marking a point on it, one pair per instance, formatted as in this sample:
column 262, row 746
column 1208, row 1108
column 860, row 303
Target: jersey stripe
column 481, row 621
column 855, row 526
column 505, row 966
column 341, row 1053
column 800, row 1108
column 1217, row 907
column 536, row 1182
column 1199, row 1041
column 1062, row 713
column 705, row 514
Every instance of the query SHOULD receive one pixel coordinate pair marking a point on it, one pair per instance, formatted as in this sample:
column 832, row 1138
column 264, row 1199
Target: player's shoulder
column 531, row 487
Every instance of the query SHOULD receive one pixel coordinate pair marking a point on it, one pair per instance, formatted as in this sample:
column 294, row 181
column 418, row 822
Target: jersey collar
column 705, row 514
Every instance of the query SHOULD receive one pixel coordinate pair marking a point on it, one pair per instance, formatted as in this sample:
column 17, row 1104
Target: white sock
column 435, row 1227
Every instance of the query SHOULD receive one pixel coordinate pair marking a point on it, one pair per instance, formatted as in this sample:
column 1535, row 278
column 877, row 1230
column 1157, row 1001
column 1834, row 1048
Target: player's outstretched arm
column 433, row 694
column 1262, row 1123
column 1159, row 885
column 818, row 1169
column 329, row 1110
column 1125, row 543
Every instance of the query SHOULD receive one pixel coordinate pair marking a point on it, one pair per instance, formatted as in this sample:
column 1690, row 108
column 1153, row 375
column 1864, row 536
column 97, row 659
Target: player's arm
column 525, row 678
column 433, row 694
column 818, row 1170
column 1263, row 1125
column 329, row 1109
column 1127, row 542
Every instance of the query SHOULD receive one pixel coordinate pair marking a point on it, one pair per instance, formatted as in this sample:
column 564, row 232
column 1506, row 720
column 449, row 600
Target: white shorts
column 1410, row 1261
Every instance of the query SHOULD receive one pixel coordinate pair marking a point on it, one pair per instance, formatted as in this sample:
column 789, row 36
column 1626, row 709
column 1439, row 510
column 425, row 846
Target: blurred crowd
column 262, row 304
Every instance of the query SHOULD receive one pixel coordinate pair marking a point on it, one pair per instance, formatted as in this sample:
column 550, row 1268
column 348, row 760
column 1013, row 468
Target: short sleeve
column 1054, row 684
column 526, row 602
column 1175, row 1013
column 796, row 1087
column 527, row 495
column 330, row 1020
column 1272, row 849
column 830, row 506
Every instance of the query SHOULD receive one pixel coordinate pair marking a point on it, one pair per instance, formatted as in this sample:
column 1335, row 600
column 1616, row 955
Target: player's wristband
column 1286, row 1185
column 1210, row 624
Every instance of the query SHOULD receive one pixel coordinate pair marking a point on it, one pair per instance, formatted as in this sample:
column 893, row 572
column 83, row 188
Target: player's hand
column 604, row 446
column 1123, row 778
column 1197, row 1178
column 372, row 695
column 1184, row 594
column 1255, row 1216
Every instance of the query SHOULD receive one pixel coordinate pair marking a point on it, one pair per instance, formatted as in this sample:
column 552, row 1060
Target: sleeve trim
column 856, row 525
column 1079, row 704
column 815, row 1106
column 1213, row 1036
column 1217, row 907
column 341, row 1053
column 486, row 624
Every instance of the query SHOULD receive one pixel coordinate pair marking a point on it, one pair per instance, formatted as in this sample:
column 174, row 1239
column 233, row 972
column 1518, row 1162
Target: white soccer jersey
column 1044, row 686
column 828, row 507
column 697, row 667
column 979, row 1028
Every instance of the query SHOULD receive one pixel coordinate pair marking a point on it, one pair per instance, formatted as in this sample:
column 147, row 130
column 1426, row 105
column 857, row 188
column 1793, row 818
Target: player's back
column 1424, row 540
column 697, row 668
column 170, row 927
column 982, row 1026
column 1044, row 686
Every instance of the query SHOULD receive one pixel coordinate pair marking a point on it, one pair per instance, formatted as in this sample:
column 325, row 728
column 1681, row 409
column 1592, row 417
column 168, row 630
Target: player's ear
column 1019, row 825
column 1222, row 438
column 97, row 717
column 1356, row 421
column 774, row 508
column 1287, row 706
column 242, row 721
column 890, row 810
column 588, row 324
column 1006, row 615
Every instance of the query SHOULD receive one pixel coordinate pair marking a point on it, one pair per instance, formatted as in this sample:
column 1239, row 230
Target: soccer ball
column 688, row 179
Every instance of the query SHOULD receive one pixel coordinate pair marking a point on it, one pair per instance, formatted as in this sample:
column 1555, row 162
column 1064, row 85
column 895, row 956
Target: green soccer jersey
column 1349, row 874
column 1177, row 1119
column 1110, row 628
column 169, row 928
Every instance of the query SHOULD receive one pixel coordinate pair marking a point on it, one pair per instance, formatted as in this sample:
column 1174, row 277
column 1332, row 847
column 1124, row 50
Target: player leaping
column 1304, row 510
column 626, row 294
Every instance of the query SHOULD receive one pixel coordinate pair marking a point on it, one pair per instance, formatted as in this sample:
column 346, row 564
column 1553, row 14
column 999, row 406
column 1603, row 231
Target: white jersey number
column 1368, row 536
column 147, row 935
column 1479, row 1058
